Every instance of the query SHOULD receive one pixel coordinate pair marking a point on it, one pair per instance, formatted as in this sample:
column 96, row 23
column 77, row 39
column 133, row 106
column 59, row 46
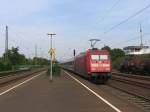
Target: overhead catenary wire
column 126, row 20
column 147, row 41
column 135, row 38
column 110, row 10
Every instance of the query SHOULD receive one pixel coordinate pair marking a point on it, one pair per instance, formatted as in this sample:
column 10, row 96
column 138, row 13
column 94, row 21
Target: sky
column 74, row 22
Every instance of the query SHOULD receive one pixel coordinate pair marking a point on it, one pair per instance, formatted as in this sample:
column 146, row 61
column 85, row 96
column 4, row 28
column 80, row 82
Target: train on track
column 93, row 64
column 139, row 64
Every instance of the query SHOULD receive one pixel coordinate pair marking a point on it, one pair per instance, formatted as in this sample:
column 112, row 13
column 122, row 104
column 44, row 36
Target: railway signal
column 74, row 52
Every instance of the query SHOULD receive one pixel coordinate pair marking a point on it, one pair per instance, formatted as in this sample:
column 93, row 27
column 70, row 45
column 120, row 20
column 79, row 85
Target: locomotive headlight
column 106, row 65
column 94, row 65
column 107, row 68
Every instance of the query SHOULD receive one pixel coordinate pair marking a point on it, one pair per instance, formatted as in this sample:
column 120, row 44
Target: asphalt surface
column 64, row 94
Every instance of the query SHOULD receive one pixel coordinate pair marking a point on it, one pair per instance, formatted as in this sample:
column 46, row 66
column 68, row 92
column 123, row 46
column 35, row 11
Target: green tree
column 106, row 48
column 117, row 56
column 117, row 53
column 40, row 61
column 14, row 57
column 5, row 65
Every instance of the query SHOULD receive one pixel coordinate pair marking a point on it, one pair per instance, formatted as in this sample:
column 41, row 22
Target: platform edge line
column 96, row 94
column 20, row 84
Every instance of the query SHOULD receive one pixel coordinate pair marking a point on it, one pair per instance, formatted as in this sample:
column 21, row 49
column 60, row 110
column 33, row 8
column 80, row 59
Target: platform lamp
column 51, row 58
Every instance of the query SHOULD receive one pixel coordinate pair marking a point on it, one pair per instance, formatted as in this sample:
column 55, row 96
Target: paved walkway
column 62, row 95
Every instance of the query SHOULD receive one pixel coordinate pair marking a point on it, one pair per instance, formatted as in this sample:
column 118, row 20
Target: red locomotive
column 93, row 64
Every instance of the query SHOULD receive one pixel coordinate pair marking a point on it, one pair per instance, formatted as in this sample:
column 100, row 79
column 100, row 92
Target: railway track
column 137, row 81
column 140, row 96
column 17, row 76
column 138, row 86
column 140, row 77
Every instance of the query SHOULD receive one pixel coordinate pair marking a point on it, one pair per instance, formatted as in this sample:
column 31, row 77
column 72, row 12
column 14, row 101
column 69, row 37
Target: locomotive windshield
column 99, row 57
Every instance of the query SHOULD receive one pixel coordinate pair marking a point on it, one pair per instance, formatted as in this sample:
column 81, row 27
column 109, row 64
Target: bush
column 56, row 70
column 116, row 64
column 5, row 65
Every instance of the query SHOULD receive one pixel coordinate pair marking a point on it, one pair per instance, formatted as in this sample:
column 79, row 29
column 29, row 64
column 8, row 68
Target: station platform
column 63, row 94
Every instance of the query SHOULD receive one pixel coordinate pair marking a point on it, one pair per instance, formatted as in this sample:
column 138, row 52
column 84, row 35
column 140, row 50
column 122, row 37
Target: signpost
column 51, row 52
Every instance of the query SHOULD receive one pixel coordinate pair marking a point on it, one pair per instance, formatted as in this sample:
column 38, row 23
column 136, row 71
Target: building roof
column 135, row 47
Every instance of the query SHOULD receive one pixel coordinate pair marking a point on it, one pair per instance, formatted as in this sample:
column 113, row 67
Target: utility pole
column 6, row 44
column 35, row 54
column 6, row 40
column 35, row 51
column 141, row 36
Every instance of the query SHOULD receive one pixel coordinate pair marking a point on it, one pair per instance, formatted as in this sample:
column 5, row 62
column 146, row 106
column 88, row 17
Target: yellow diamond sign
column 52, row 51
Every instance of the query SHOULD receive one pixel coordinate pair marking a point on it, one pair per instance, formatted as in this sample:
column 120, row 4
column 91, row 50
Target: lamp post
column 51, row 58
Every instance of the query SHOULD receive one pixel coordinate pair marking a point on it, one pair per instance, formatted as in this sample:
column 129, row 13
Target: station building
column 136, row 50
